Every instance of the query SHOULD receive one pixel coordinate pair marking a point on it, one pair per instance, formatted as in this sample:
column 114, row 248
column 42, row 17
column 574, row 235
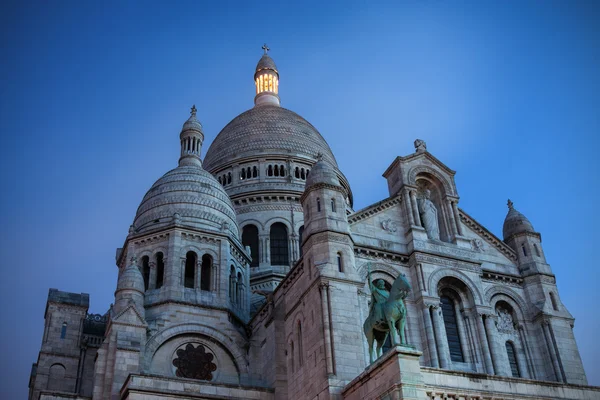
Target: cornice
column 374, row 209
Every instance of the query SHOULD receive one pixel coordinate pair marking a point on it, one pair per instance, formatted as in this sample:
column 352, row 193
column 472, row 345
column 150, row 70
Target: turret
column 266, row 79
column 130, row 289
column 191, row 137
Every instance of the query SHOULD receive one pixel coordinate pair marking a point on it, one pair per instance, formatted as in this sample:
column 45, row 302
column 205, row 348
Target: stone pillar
column 268, row 250
column 470, row 337
column 500, row 366
column 528, row 358
column 451, row 216
column 415, row 207
column 408, row 207
column 173, row 271
column 430, row 339
column 440, row 336
column 462, row 334
column 550, row 344
column 487, row 358
column 457, row 218
column 326, row 332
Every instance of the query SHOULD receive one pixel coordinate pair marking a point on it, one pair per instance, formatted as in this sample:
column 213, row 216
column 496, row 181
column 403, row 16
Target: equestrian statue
column 387, row 313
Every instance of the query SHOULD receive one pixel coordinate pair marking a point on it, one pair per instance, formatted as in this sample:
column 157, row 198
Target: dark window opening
column 281, row 170
column 250, row 238
column 232, row 285
column 160, row 270
column 524, row 250
column 254, row 172
column 318, row 204
column 339, row 263
column 190, row 269
column 270, row 170
column 302, row 173
column 63, row 330
column 300, row 235
column 228, row 177
column 297, row 173
column 146, row 271
column 333, row 205
column 449, row 315
column 205, row 272
column 512, row 359
column 279, row 244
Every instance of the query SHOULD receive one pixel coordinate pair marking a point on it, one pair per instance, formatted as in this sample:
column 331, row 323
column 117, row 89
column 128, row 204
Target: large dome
column 194, row 195
column 269, row 130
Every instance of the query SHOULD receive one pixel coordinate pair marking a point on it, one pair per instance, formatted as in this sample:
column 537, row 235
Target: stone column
column 326, row 332
column 408, row 207
column 470, row 337
column 462, row 334
column 528, row 358
column 487, row 358
column 415, row 208
column 451, row 216
column 152, row 278
column 440, row 336
column 173, row 271
column 430, row 339
column 457, row 218
column 268, row 250
column 499, row 365
column 550, row 344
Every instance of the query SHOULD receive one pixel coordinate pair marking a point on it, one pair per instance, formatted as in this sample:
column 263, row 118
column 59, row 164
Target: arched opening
column 302, row 174
column 434, row 214
column 243, row 174
column 300, row 236
column 63, row 330
column 297, row 173
column 240, row 289
column 333, row 205
column 524, row 250
column 190, row 269
column 56, row 377
column 451, row 325
column 293, row 367
column 146, row 271
column 281, row 170
column 270, row 170
column 553, row 300
column 160, row 270
column 228, row 177
column 512, row 359
column 232, row 285
column 279, row 244
column 250, row 238
column 276, row 170
column 254, row 172
column 205, row 272
column 318, row 204
column 300, row 350
column 340, row 262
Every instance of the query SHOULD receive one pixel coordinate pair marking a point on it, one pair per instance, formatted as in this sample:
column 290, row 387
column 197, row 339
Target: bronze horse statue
column 387, row 313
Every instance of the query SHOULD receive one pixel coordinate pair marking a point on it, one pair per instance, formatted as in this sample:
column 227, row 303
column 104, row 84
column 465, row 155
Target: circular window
column 195, row 361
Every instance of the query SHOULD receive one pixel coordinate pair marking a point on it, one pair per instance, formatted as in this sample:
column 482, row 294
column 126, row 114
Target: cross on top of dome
column 265, row 48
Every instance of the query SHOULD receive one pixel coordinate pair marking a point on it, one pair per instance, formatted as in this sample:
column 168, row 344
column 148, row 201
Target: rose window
column 195, row 362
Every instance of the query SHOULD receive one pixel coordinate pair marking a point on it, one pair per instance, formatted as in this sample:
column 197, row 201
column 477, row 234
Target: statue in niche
column 505, row 321
column 429, row 216
column 387, row 314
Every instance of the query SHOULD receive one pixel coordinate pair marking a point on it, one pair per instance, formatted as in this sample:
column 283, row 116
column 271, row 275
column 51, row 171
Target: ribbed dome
column 192, row 124
column 266, row 62
column 515, row 222
column 269, row 130
column 131, row 278
column 322, row 172
column 191, row 192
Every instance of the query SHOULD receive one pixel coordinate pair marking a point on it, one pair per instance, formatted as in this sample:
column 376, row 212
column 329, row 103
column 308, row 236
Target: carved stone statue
column 387, row 314
column 420, row 146
column 505, row 322
column 429, row 216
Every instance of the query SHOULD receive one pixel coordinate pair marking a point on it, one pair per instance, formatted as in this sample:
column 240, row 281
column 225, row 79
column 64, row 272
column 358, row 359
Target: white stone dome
column 186, row 195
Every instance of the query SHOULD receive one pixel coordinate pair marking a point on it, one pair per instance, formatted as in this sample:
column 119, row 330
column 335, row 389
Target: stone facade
column 246, row 277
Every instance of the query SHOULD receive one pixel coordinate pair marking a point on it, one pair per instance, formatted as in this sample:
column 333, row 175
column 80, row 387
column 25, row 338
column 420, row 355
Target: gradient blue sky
column 93, row 95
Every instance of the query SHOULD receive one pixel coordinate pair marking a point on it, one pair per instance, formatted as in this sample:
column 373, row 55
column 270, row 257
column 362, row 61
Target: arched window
column 240, row 289
column 333, row 205
column 297, row 173
column 553, row 300
column 190, row 269
column 232, row 284
column 146, row 271
column 276, row 172
column 524, row 250
column 205, row 272
column 302, row 174
column 63, row 330
column 270, row 170
column 318, row 204
column 160, row 270
column 228, row 177
column 56, row 376
column 449, row 314
column 300, row 234
column 292, row 355
column 220, row 181
column 512, row 359
column 307, row 171
column 279, row 244
column 250, row 238
column 300, row 351
column 281, row 170
column 243, row 174
column 340, row 263
column 254, row 172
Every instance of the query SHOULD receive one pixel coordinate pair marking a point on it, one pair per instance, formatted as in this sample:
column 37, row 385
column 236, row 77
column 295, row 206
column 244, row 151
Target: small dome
column 515, row 222
column 131, row 278
column 192, row 124
column 266, row 62
column 322, row 172
column 195, row 195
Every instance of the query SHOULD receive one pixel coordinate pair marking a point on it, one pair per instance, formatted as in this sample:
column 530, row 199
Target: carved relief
column 505, row 322
column 390, row 226
column 478, row 245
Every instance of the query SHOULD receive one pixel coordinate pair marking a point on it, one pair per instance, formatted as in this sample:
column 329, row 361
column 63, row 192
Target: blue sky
column 93, row 95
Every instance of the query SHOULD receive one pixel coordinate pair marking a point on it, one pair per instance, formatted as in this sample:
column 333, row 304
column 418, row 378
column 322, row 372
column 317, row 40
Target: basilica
column 249, row 275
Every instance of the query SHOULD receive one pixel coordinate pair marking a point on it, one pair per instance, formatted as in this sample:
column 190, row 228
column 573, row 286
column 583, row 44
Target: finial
column 193, row 111
column 265, row 48
column 420, row 145
column 133, row 259
column 509, row 204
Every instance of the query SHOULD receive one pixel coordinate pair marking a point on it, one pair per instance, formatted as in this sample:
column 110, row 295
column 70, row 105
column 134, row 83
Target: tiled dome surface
column 268, row 130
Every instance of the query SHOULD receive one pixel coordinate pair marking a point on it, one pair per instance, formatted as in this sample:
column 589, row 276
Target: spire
column 515, row 222
column 191, row 137
column 266, row 79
